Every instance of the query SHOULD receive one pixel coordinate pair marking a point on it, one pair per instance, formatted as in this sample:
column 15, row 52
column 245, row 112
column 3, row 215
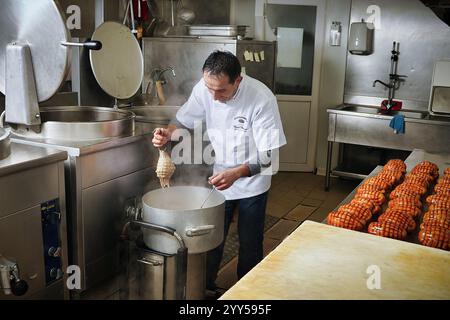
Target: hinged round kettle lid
column 118, row 67
column 41, row 25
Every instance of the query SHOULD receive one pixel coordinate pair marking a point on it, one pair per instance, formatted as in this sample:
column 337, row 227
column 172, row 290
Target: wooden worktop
column 318, row 261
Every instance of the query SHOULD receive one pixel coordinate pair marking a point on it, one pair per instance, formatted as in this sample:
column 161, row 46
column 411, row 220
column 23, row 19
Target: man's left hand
column 225, row 179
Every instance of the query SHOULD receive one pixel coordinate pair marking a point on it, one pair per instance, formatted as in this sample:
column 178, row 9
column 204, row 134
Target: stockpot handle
column 156, row 227
column 200, row 230
column 2, row 119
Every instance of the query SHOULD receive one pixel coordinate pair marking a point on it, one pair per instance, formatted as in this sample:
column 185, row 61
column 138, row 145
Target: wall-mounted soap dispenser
column 361, row 38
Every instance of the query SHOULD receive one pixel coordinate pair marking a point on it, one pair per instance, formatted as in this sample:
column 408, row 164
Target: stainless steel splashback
column 423, row 38
column 186, row 55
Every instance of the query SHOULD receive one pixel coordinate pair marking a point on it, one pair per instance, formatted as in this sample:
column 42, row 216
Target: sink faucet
column 157, row 74
column 394, row 78
column 156, row 80
column 383, row 83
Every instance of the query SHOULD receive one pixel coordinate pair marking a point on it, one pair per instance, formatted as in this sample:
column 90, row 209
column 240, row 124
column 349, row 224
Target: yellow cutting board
column 318, row 261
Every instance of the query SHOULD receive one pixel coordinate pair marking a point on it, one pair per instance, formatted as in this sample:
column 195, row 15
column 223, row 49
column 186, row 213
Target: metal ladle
column 185, row 15
column 209, row 194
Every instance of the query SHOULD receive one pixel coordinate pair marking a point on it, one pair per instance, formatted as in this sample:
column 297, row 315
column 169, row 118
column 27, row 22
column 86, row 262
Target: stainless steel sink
column 415, row 114
column 366, row 126
column 79, row 123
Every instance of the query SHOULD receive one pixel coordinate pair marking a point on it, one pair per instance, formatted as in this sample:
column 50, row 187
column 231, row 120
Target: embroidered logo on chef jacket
column 240, row 123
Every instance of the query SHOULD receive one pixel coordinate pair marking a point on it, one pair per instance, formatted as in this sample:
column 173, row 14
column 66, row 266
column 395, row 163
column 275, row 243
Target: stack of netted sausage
column 369, row 198
column 405, row 203
column 435, row 227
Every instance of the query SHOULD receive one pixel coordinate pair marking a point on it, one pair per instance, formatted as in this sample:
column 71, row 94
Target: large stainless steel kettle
column 5, row 143
column 179, row 208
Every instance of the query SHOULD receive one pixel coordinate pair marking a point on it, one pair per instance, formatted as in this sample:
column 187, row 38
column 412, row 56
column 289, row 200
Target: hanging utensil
column 125, row 17
column 172, row 13
column 162, row 27
column 185, row 15
column 207, row 197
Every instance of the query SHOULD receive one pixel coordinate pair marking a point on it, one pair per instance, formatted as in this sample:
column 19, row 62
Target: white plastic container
column 361, row 38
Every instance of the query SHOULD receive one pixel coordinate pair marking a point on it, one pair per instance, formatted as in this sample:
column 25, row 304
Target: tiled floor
column 293, row 198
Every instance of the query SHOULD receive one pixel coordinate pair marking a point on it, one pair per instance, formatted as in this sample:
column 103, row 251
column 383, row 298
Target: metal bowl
column 80, row 123
column 217, row 30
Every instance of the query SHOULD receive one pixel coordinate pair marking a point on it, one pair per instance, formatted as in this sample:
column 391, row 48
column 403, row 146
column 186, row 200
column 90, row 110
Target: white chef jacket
column 238, row 129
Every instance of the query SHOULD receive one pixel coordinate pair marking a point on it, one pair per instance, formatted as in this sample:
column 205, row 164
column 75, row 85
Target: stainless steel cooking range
column 33, row 239
column 109, row 162
column 108, row 157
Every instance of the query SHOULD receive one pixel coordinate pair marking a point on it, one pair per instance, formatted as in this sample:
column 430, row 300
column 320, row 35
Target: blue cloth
column 252, row 212
column 398, row 123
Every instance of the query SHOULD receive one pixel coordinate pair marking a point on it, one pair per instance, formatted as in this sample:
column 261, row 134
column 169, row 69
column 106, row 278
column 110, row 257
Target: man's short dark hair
column 223, row 62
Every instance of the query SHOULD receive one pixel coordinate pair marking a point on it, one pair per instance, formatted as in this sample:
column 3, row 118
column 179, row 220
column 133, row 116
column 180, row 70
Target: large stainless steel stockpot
column 80, row 123
column 179, row 208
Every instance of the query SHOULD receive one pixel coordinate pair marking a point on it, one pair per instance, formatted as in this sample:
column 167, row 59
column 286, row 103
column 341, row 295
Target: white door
column 295, row 116
column 298, row 27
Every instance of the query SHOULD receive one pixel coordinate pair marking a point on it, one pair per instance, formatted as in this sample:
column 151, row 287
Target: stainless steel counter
column 364, row 125
column 23, row 157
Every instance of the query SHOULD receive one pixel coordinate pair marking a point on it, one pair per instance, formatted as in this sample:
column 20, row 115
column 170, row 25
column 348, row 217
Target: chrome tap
column 156, row 75
column 383, row 83
column 394, row 78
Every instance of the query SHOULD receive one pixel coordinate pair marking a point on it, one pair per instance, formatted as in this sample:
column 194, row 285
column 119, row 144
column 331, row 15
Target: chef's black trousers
column 250, row 226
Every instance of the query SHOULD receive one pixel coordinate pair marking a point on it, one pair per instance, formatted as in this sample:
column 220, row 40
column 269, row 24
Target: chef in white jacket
column 243, row 124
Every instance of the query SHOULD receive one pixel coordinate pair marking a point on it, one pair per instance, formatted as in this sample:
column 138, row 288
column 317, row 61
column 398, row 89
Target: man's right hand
column 160, row 137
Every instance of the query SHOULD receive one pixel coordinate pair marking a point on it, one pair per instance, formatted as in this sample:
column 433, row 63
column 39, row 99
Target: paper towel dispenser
column 439, row 103
column 361, row 38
